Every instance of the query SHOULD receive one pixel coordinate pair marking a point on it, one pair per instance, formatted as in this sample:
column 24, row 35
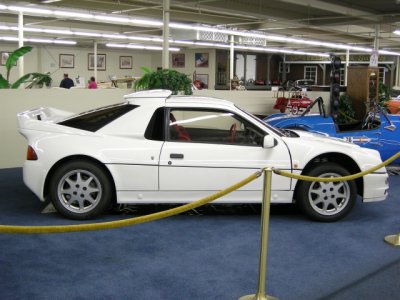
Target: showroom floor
column 208, row 254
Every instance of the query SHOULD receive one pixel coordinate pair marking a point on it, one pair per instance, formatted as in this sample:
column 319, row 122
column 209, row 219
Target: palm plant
column 30, row 77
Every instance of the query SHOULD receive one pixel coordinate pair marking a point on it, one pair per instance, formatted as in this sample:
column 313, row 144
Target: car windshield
column 305, row 82
column 263, row 124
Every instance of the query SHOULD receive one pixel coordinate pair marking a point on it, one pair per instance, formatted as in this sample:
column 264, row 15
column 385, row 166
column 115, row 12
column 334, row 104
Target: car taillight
column 31, row 154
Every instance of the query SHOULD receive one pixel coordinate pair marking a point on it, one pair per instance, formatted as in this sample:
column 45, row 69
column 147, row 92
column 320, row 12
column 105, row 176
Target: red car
column 295, row 102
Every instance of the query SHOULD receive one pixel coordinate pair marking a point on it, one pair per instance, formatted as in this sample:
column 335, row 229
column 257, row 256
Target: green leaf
column 145, row 70
column 15, row 55
column 22, row 80
column 4, row 84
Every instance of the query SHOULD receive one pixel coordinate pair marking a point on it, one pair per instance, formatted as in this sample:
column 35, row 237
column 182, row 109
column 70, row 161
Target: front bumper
column 376, row 187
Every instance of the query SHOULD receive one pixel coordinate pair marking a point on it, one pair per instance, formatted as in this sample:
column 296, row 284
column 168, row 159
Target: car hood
column 320, row 138
column 280, row 117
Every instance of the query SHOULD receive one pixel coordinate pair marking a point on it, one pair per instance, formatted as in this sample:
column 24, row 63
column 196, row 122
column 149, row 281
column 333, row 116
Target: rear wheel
column 326, row 201
column 80, row 190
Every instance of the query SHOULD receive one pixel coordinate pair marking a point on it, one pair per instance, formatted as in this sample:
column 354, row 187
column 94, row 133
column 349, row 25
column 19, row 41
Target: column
column 165, row 51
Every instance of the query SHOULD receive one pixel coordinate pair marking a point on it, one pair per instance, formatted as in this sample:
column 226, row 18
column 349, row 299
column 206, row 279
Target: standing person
column 92, row 83
column 67, row 82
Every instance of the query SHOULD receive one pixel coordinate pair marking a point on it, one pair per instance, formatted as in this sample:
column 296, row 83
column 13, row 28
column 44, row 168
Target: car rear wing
column 41, row 114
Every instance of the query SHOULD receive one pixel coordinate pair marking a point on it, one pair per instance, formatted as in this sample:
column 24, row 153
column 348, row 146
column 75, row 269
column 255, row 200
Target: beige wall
column 46, row 59
column 13, row 145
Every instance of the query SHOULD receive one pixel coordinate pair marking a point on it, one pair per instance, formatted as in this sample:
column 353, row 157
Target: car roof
column 165, row 97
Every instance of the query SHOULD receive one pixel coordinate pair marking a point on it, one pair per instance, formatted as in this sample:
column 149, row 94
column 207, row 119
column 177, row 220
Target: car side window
column 212, row 126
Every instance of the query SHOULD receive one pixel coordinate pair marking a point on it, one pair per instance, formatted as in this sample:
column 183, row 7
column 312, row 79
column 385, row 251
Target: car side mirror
column 269, row 141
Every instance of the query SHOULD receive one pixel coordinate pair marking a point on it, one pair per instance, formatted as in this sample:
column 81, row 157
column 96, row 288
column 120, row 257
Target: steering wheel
column 294, row 110
column 368, row 120
column 232, row 133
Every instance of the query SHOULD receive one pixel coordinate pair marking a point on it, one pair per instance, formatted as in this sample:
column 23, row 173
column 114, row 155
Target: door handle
column 176, row 155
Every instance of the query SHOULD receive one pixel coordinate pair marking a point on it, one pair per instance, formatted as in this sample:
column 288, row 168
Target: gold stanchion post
column 260, row 295
column 393, row 239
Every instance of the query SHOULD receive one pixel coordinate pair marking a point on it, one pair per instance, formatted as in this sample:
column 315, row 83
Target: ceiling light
column 114, row 36
column 144, row 47
column 146, row 22
column 183, row 42
column 155, row 23
column 72, row 14
column 91, row 34
column 111, row 19
column 36, row 40
column 33, row 10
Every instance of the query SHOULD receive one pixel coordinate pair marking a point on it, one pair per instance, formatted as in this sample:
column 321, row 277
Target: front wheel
column 326, row 201
column 80, row 190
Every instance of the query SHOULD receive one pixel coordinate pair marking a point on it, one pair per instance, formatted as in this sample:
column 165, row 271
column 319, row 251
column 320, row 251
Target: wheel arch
column 46, row 188
column 343, row 160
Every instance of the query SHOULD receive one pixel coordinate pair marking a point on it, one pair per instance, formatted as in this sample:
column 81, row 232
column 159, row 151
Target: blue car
column 378, row 130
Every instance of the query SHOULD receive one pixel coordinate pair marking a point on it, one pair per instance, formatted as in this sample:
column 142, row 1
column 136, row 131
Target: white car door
column 209, row 150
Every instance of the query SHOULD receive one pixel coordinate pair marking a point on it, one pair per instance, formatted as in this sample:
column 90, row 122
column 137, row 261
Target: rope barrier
column 337, row 179
column 130, row 221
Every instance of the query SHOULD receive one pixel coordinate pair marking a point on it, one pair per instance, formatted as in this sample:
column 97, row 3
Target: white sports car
column 158, row 148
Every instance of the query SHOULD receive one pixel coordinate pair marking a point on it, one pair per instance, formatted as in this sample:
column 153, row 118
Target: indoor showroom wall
column 13, row 145
column 45, row 58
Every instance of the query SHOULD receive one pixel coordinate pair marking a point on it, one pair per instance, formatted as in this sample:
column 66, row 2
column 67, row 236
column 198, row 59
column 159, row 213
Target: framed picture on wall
column 67, row 61
column 201, row 60
column 178, row 60
column 201, row 81
column 125, row 62
column 101, row 62
column 4, row 57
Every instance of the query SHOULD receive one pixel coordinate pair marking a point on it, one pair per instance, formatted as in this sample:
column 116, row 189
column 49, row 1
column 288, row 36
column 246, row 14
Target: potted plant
column 346, row 111
column 33, row 78
column 164, row 79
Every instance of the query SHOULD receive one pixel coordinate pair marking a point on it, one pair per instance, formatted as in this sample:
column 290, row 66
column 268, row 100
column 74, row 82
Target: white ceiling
column 340, row 21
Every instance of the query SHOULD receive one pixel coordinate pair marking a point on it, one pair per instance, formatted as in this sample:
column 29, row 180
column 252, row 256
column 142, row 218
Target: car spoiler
column 28, row 119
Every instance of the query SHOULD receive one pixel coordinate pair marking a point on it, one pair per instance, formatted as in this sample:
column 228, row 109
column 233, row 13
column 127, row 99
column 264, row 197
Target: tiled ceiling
column 340, row 21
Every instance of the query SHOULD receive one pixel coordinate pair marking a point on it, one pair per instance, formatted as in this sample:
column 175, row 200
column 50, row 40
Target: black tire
column 80, row 190
column 326, row 201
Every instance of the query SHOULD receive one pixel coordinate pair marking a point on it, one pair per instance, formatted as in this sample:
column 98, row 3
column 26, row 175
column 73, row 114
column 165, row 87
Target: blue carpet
column 207, row 256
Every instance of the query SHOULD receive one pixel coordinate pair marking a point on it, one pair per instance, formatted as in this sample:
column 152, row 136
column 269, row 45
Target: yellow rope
column 126, row 222
column 337, row 179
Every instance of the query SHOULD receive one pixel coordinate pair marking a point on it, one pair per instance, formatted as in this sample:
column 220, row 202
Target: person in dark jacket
column 67, row 82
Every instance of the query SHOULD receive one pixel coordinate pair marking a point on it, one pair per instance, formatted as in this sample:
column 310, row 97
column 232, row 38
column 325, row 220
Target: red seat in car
column 183, row 135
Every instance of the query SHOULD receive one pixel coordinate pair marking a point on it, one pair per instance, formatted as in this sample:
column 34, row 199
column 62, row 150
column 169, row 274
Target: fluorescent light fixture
column 142, row 47
column 37, row 40
column 63, row 42
column 49, row 1
column 114, row 36
column 388, row 52
column 24, row 9
column 111, row 19
column 72, row 14
column 397, row 32
column 183, row 42
column 3, row 27
column 91, row 34
column 146, row 22
column 86, row 16
column 9, row 38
